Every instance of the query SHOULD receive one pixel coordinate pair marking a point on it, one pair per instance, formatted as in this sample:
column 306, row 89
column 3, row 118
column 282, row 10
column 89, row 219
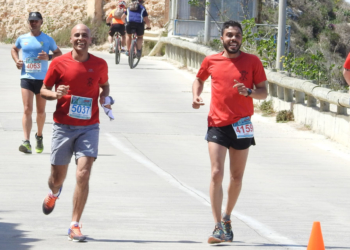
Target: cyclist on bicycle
column 117, row 24
column 135, row 16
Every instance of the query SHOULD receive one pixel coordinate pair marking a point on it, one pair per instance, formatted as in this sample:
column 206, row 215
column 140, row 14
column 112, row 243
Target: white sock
column 56, row 195
column 73, row 223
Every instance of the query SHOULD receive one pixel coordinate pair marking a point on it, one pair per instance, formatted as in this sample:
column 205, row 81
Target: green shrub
column 99, row 33
column 285, row 116
column 266, row 108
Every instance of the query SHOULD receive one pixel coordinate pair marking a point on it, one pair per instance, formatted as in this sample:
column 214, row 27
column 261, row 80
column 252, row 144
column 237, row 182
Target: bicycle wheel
column 117, row 50
column 133, row 60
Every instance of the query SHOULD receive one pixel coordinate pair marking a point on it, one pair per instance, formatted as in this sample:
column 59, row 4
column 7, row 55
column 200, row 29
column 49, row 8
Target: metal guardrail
column 288, row 89
column 282, row 86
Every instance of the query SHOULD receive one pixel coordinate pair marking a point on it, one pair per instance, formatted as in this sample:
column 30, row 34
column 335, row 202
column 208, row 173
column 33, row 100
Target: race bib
column 244, row 128
column 80, row 107
column 33, row 65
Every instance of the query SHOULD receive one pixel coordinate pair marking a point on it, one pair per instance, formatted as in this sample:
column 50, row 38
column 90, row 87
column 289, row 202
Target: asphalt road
column 149, row 185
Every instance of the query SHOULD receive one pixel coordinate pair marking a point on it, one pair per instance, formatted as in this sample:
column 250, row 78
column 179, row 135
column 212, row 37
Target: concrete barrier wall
column 320, row 109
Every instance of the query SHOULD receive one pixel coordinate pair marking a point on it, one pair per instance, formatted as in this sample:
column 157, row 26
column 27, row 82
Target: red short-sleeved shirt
column 83, row 79
column 347, row 62
column 227, row 105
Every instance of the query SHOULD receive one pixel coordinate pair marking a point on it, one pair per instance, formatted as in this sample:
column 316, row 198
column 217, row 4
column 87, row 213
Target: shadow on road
column 278, row 246
column 145, row 241
column 12, row 238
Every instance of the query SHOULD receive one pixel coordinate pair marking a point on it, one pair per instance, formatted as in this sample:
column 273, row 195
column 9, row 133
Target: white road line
column 260, row 228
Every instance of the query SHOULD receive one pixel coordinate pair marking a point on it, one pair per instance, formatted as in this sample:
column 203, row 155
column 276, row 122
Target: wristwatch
column 50, row 57
column 249, row 92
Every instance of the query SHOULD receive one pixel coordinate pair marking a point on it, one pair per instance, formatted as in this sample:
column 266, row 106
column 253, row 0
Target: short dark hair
column 230, row 23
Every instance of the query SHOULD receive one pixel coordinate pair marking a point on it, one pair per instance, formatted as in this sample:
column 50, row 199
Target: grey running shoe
column 25, row 147
column 39, row 144
column 227, row 230
column 218, row 236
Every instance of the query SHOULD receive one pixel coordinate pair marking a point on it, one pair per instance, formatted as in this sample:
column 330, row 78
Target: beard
column 231, row 51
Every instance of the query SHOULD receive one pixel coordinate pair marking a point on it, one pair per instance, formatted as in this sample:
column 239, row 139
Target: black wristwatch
column 50, row 57
column 249, row 92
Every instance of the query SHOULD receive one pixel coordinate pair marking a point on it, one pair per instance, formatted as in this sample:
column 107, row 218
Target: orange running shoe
column 49, row 203
column 74, row 233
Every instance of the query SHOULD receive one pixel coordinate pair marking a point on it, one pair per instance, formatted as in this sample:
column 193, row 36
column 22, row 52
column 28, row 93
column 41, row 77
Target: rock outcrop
column 61, row 14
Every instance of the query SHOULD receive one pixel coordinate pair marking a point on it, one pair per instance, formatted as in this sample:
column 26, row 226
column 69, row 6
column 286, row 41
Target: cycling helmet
column 122, row 4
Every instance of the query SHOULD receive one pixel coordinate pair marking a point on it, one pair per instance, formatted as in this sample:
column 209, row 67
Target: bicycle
column 133, row 59
column 117, row 47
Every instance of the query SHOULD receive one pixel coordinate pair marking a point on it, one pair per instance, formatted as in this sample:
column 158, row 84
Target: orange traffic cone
column 316, row 239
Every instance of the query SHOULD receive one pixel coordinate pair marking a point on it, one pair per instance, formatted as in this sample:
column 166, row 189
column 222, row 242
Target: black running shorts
column 32, row 85
column 139, row 27
column 226, row 136
column 117, row 28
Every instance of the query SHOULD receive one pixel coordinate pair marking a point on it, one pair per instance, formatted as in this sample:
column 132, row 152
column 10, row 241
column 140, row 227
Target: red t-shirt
column 83, row 79
column 227, row 105
column 347, row 62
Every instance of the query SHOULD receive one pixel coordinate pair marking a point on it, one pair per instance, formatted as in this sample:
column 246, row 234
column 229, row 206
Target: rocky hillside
column 61, row 14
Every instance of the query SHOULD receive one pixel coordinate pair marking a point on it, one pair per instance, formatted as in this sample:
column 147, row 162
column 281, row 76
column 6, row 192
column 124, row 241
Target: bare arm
column 123, row 18
column 109, row 19
column 146, row 19
column 44, row 56
column 56, row 53
column 197, row 89
column 104, row 91
column 260, row 92
column 47, row 93
column 346, row 74
column 15, row 57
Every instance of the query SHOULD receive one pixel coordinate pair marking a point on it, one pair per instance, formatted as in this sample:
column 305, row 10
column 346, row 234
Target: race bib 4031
column 244, row 128
column 33, row 65
column 80, row 107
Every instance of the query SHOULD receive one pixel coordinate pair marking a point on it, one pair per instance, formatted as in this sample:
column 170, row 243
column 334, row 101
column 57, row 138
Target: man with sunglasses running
column 35, row 47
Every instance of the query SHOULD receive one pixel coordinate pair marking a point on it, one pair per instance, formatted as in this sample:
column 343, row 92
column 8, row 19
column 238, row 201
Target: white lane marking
column 260, row 228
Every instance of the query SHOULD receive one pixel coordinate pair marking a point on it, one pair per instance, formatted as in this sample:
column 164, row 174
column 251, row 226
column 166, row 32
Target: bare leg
column 139, row 42
column 82, row 187
column 123, row 40
column 56, row 179
column 27, row 97
column 217, row 155
column 110, row 39
column 128, row 41
column 41, row 115
column 238, row 160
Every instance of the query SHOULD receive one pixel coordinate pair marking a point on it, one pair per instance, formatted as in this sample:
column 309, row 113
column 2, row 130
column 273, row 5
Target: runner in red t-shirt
column 346, row 71
column 236, row 78
column 78, row 78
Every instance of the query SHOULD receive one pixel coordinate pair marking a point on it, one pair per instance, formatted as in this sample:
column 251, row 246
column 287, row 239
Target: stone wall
column 57, row 15
column 60, row 14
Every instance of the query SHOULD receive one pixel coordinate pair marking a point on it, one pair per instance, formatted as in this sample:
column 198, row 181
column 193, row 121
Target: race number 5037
column 244, row 128
column 80, row 107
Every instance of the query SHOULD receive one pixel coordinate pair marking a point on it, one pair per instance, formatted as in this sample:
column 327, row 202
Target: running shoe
column 127, row 53
column 74, row 233
column 123, row 49
column 25, row 147
column 39, row 144
column 227, row 230
column 218, row 236
column 110, row 50
column 138, row 54
column 49, row 203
